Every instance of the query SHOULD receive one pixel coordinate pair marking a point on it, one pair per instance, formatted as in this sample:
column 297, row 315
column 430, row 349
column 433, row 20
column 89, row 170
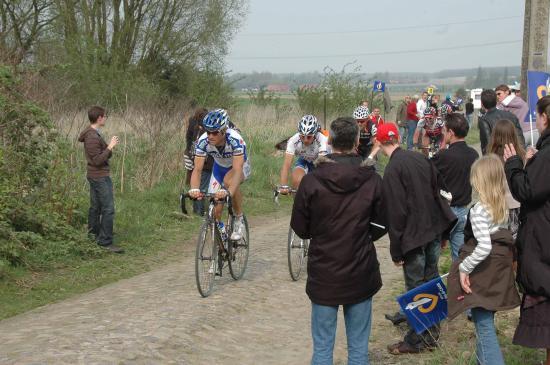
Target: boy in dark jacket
column 102, row 207
column 334, row 207
column 417, row 217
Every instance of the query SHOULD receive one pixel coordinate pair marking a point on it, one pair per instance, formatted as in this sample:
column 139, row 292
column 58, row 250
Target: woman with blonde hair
column 530, row 185
column 504, row 132
column 482, row 279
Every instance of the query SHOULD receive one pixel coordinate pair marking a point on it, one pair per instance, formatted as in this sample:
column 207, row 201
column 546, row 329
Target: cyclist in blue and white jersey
column 231, row 164
column 308, row 144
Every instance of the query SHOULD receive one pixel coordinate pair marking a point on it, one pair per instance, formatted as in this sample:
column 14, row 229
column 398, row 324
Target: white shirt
column 318, row 147
column 421, row 105
column 223, row 156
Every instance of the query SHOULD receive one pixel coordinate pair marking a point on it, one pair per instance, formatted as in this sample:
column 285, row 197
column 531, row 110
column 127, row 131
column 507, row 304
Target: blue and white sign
column 426, row 305
column 379, row 86
column 538, row 87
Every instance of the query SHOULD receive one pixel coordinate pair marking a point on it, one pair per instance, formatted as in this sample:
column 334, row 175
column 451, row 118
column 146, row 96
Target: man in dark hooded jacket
column 334, row 207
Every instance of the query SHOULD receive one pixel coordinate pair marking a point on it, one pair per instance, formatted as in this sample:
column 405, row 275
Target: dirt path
column 159, row 317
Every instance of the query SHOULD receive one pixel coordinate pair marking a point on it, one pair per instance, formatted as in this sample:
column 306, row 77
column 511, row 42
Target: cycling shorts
column 304, row 165
column 219, row 172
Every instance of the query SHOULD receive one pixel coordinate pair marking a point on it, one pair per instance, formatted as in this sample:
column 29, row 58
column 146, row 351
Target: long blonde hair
column 489, row 183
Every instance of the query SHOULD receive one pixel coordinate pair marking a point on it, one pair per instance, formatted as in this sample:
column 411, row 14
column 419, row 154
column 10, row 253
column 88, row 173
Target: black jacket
column 488, row 121
column 531, row 187
column 416, row 212
column 454, row 165
column 334, row 206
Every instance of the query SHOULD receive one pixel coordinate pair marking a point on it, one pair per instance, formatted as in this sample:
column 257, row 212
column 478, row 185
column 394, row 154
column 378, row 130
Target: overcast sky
column 307, row 35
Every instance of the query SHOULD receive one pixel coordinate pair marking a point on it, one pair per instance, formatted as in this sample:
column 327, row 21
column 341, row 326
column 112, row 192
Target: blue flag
column 538, row 86
column 379, row 86
column 426, row 305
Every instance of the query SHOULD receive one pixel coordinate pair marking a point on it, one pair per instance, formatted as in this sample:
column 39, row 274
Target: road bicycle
column 297, row 247
column 433, row 146
column 215, row 250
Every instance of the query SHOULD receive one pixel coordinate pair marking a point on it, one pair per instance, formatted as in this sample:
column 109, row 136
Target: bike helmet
column 215, row 120
column 308, row 125
column 430, row 112
column 361, row 112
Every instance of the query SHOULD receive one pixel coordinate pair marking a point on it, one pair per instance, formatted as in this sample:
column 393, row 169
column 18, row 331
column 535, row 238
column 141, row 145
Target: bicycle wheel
column 296, row 254
column 206, row 258
column 238, row 252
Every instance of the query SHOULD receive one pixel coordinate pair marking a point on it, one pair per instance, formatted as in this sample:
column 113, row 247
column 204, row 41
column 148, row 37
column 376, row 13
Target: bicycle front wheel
column 296, row 254
column 238, row 252
column 206, row 258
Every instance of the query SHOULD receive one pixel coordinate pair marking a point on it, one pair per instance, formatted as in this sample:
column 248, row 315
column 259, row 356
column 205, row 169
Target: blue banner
column 379, row 86
column 538, row 86
column 426, row 305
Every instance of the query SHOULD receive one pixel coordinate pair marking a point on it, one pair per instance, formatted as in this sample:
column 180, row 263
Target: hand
column 284, row 190
column 114, row 142
column 195, row 194
column 531, row 151
column 399, row 263
column 509, row 151
column 221, row 194
column 465, row 283
column 375, row 148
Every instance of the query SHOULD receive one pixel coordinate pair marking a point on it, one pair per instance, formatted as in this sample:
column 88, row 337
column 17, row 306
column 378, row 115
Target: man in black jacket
column 334, row 207
column 417, row 217
column 493, row 115
column 454, row 165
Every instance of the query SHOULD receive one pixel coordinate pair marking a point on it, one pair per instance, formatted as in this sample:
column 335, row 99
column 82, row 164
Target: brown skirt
column 534, row 326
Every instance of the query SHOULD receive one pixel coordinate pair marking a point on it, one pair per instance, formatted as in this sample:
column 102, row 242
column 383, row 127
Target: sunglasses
column 212, row 133
column 361, row 121
column 305, row 137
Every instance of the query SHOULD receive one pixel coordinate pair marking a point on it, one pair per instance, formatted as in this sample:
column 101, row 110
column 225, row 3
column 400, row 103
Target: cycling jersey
column 223, row 156
column 433, row 127
column 317, row 148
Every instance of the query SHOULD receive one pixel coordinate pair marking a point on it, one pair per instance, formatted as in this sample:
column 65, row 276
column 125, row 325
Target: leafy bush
column 34, row 199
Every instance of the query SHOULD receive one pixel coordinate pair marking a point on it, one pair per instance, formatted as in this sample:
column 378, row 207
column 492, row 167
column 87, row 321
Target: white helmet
column 308, row 125
column 361, row 112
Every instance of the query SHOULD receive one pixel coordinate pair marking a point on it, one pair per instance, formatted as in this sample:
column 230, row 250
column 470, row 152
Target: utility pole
column 535, row 40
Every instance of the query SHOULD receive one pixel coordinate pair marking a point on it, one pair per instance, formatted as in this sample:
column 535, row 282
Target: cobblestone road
column 159, row 317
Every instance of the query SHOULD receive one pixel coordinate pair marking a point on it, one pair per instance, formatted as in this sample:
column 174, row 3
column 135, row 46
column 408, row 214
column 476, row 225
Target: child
column 483, row 278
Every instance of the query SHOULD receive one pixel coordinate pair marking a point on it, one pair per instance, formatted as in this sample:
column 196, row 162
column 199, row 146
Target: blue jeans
column 323, row 330
column 487, row 350
column 456, row 237
column 420, row 264
column 102, row 210
column 411, row 127
column 469, row 119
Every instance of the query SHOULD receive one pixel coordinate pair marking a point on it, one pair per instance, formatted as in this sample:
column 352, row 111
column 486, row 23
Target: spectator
column 483, row 278
column 401, row 117
column 330, row 209
column 365, row 103
column 517, row 106
column 375, row 117
column 421, row 105
column 417, row 218
column 102, row 206
column 492, row 115
column 529, row 185
column 469, row 111
column 194, row 131
column 434, row 100
column 412, row 121
column 448, row 101
column 504, row 133
column 454, row 165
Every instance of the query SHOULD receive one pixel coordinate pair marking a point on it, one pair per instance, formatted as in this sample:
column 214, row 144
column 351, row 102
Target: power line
column 376, row 30
column 450, row 48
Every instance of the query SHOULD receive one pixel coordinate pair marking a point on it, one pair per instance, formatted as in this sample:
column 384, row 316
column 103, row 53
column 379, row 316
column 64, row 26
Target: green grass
column 473, row 137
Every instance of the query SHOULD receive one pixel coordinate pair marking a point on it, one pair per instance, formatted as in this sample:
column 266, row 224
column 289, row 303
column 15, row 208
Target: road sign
column 379, row 86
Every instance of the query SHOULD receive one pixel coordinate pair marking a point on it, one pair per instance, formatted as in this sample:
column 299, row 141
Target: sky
column 290, row 36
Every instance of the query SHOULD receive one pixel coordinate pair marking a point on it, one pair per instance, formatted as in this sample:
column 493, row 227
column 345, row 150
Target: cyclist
column 367, row 131
column 231, row 164
column 308, row 144
column 443, row 111
column 431, row 127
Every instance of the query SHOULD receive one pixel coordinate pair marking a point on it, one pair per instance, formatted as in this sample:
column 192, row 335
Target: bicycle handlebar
column 211, row 196
column 277, row 192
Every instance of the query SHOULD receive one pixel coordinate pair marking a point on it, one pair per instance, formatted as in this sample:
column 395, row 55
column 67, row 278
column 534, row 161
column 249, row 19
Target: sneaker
column 113, row 248
column 237, row 234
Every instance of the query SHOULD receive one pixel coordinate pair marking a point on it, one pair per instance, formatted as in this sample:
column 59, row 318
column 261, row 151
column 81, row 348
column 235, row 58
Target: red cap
column 386, row 131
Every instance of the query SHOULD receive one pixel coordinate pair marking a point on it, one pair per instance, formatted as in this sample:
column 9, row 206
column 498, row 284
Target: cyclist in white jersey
column 231, row 164
column 308, row 144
